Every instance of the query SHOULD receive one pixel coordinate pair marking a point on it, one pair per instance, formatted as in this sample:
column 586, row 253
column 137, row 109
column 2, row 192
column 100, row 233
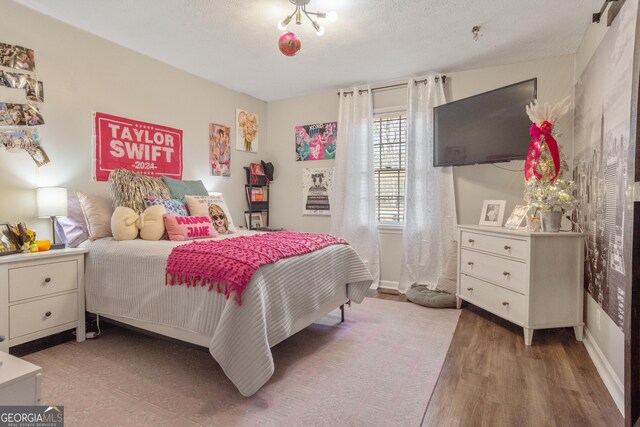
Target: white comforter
column 127, row 279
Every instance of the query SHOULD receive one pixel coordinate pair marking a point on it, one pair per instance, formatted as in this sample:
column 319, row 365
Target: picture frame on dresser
column 492, row 212
column 519, row 213
column 7, row 241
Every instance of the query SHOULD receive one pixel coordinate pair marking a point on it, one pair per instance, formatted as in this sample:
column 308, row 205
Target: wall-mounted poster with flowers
column 219, row 150
column 316, row 142
column 246, row 131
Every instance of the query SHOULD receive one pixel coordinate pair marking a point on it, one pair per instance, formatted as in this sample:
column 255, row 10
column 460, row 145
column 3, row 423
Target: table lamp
column 52, row 202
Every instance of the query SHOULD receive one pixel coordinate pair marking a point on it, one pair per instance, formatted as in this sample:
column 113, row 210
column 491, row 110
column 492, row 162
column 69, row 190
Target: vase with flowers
column 545, row 187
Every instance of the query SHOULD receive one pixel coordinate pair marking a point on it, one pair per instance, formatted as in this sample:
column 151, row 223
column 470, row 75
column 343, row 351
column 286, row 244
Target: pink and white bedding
column 127, row 279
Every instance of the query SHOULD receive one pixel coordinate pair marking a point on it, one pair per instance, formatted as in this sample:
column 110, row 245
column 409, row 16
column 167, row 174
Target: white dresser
column 41, row 294
column 534, row 280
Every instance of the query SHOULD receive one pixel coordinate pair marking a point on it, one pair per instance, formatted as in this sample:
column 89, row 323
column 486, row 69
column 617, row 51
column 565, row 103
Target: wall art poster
column 316, row 142
column 601, row 147
column 317, row 191
column 246, row 131
column 219, row 150
column 141, row 147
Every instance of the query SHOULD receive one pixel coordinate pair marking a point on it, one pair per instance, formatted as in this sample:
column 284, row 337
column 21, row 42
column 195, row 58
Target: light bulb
column 332, row 16
column 319, row 28
column 282, row 25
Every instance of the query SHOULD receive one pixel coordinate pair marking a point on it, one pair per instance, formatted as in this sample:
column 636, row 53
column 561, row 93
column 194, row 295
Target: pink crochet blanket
column 227, row 265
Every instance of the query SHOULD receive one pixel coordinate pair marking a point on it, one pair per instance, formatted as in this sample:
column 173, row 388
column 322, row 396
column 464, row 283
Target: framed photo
column 7, row 241
column 492, row 212
column 256, row 220
column 517, row 216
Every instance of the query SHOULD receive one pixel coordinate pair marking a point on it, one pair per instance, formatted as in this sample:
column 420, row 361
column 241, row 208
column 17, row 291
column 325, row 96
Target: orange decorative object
column 43, row 245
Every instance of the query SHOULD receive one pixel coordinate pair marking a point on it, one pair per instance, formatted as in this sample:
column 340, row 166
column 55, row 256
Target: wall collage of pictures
column 18, row 120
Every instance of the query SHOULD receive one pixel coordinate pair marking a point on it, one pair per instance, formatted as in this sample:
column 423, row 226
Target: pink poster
column 140, row 147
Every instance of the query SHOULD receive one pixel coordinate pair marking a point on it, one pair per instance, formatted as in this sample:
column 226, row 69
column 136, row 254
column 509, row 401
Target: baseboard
column 388, row 287
column 609, row 377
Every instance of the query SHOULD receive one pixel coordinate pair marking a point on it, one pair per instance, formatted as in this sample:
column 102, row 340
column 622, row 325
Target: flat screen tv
column 487, row 128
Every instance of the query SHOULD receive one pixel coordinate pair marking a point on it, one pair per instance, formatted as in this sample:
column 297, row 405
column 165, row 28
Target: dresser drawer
column 42, row 279
column 502, row 302
column 30, row 317
column 505, row 272
column 499, row 245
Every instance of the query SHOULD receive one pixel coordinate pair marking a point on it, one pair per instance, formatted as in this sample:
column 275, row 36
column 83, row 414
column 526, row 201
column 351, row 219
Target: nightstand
column 41, row 294
column 19, row 381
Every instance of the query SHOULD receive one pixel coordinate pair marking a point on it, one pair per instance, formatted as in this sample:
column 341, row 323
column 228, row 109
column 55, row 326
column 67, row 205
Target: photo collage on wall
column 316, row 142
column 219, row 150
column 17, row 71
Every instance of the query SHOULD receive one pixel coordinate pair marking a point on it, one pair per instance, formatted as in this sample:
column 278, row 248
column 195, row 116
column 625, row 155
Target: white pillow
column 72, row 228
column 151, row 223
column 124, row 223
column 215, row 207
column 97, row 214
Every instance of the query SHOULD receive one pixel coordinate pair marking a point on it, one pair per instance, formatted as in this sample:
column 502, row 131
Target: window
column 389, row 149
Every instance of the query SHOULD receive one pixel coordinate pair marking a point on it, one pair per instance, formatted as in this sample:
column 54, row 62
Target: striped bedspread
column 127, row 278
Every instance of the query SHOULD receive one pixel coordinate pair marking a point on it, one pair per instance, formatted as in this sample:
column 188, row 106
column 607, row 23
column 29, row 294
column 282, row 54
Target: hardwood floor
column 490, row 378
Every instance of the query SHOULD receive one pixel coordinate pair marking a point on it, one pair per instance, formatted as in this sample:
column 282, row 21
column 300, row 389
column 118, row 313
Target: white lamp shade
column 52, row 201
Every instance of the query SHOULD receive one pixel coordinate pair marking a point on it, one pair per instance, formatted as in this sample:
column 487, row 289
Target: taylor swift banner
column 140, row 147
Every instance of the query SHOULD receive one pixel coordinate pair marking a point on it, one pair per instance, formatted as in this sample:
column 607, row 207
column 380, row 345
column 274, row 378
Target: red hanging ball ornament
column 289, row 44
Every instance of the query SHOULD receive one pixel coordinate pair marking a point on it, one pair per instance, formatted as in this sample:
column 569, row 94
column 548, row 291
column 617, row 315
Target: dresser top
column 521, row 233
column 14, row 369
column 52, row 253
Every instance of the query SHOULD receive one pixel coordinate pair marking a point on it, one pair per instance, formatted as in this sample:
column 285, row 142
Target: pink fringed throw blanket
column 227, row 265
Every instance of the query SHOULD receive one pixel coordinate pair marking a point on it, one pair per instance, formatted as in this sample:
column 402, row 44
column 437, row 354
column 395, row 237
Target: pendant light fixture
column 301, row 8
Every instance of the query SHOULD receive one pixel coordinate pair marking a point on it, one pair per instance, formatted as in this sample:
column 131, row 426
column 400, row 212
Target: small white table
column 41, row 294
column 19, row 381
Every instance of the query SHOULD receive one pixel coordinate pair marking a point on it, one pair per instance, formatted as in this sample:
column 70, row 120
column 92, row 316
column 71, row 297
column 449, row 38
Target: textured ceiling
column 234, row 42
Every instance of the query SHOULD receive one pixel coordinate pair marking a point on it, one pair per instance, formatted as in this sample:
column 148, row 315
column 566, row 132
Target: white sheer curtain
column 430, row 214
column 353, row 214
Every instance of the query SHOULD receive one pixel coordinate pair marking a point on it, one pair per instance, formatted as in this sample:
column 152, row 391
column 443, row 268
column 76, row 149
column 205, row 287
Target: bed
column 125, row 281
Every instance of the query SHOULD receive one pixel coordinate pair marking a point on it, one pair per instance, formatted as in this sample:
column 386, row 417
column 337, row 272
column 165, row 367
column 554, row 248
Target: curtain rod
column 373, row 89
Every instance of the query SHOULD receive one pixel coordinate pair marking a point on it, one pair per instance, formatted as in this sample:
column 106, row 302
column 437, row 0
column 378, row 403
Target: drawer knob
column 471, row 241
column 505, row 303
column 47, row 314
column 506, row 273
column 47, row 279
column 470, row 289
column 507, row 247
column 470, row 263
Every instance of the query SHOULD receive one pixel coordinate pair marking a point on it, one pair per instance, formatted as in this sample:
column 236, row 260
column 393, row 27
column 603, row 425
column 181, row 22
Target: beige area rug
column 378, row 368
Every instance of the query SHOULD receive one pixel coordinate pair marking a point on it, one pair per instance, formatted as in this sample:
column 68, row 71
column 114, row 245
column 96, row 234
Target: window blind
column 389, row 144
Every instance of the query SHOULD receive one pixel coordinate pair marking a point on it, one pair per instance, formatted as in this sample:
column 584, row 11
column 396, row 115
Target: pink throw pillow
column 182, row 228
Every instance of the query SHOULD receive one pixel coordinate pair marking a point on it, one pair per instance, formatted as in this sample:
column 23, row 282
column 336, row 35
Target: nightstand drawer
column 498, row 245
column 35, row 316
column 502, row 302
column 42, row 279
column 505, row 272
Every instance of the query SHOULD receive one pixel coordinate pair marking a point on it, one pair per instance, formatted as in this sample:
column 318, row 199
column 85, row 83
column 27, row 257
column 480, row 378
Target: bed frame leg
column 342, row 313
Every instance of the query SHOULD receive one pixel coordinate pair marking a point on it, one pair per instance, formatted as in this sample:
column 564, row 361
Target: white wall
column 83, row 73
column 473, row 184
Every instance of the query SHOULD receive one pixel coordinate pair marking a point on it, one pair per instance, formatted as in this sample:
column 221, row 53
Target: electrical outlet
column 597, row 319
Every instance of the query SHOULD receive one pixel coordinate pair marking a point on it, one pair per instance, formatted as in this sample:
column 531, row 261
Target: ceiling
column 234, row 42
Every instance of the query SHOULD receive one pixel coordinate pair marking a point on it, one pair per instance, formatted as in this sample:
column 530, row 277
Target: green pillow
column 180, row 189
